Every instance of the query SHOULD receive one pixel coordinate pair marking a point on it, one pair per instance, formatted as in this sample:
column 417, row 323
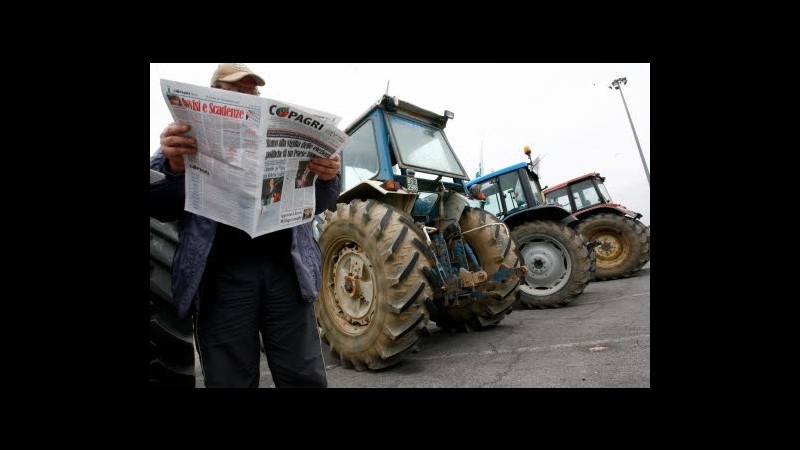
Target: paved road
column 601, row 339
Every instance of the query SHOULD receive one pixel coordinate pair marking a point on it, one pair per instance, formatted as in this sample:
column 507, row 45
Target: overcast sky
column 564, row 112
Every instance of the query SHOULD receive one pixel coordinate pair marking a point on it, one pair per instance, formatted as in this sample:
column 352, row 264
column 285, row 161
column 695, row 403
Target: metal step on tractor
column 402, row 246
column 560, row 263
column 624, row 241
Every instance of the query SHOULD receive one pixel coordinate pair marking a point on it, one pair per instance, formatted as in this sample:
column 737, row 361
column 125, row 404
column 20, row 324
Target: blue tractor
column 560, row 263
column 402, row 246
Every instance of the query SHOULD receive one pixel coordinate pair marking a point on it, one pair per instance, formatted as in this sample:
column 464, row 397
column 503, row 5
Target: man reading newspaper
column 236, row 286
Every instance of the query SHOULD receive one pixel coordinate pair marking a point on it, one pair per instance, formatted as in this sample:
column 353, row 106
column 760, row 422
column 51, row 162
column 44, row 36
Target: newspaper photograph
column 250, row 170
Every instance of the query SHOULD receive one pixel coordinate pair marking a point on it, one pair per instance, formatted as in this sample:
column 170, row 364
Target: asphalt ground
column 600, row 340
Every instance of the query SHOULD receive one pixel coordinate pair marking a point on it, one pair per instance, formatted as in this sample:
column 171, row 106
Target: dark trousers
column 240, row 300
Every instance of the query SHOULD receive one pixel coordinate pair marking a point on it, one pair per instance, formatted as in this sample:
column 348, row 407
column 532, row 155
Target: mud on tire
column 372, row 300
column 492, row 247
column 624, row 244
column 558, row 261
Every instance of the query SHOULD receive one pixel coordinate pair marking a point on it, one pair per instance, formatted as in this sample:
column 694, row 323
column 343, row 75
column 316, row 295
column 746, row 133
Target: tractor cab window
column 538, row 197
column 504, row 195
column 512, row 196
column 560, row 198
column 424, row 147
column 492, row 203
column 519, row 200
column 584, row 194
column 487, row 194
column 603, row 191
column 360, row 157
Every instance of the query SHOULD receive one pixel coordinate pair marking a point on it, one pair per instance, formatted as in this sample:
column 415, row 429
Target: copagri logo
column 287, row 113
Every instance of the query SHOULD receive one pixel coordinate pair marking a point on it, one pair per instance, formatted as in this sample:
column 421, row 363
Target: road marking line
column 614, row 298
column 529, row 349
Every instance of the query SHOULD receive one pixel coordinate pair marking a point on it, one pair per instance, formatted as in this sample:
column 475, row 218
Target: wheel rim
column 613, row 248
column 353, row 290
column 548, row 266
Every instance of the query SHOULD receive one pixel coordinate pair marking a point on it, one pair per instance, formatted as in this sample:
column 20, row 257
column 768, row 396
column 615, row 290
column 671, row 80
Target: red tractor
column 624, row 241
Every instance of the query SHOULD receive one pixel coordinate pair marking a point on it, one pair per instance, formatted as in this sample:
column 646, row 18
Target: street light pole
column 616, row 85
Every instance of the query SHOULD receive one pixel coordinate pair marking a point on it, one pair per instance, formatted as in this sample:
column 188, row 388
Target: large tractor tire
column 624, row 244
column 492, row 246
column 559, row 263
column 647, row 236
column 171, row 344
column 372, row 303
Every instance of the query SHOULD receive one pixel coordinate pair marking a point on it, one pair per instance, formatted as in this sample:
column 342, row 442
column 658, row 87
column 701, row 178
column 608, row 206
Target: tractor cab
column 506, row 192
column 579, row 193
column 514, row 194
column 399, row 152
column 400, row 147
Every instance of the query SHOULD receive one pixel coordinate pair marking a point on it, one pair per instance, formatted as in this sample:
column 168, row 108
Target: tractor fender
column 374, row 189
column 545, row 212
column 611, row 208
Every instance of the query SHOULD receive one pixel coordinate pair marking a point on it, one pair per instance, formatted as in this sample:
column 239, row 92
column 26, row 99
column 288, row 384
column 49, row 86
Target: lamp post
column 616, row 85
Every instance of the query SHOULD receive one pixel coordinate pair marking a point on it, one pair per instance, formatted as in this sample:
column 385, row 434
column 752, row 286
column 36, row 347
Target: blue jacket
column 196, row 235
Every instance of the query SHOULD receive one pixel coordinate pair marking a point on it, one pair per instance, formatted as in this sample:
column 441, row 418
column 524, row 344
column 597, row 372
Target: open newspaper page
column 251, row 166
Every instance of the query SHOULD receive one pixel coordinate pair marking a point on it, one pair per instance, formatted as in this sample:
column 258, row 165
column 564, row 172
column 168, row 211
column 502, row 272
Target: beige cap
column 233, row 72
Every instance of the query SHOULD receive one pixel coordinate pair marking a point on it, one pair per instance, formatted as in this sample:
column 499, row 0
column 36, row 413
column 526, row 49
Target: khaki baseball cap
column 233, row 72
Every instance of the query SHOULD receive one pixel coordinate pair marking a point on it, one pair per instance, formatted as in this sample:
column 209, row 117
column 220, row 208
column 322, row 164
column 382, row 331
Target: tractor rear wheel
column 171, row 342
column 493, row 247
column 558, row 261
column 624, row 244
column 372, row 301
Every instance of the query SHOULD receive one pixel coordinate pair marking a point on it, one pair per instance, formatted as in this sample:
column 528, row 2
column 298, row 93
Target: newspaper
column 250, row 170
